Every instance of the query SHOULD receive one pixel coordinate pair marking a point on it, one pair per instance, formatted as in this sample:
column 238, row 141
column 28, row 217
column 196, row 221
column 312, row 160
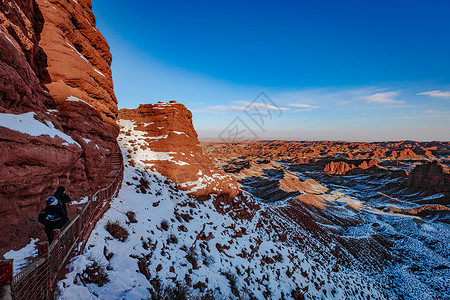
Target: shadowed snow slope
column 272, row 252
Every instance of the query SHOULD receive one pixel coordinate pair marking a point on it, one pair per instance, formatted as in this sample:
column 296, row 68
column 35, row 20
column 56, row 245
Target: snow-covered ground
column 28, row 124
column 179, row 240
column 23, row 256
column 170, row 260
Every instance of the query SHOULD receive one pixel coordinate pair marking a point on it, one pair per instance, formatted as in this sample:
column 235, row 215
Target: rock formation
column 342, row 168
column 405, row 154
column 338, row 167
column 57, row 109
column 166, row 131
column 431, row 175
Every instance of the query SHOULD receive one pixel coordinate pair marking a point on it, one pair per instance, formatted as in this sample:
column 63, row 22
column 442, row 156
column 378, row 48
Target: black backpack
column 51, row 217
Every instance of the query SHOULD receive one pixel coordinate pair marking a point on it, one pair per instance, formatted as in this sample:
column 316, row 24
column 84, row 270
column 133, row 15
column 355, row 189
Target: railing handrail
column 76, row 232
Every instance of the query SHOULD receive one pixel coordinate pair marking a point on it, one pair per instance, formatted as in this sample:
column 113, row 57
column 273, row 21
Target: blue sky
column 338, row 70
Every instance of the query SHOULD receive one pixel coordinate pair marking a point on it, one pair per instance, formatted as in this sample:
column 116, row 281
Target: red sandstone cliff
column 166, row 141
column 57, row 109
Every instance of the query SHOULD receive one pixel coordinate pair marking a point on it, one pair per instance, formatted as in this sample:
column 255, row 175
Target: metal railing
column 39, row 279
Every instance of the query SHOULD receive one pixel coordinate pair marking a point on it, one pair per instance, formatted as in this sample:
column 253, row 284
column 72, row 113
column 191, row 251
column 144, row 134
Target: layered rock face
column 431, row 175
column 57, row 109
column 165, row 140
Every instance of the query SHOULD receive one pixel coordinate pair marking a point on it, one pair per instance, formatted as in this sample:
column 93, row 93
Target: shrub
column 191, row 257
column 164, row 225
column 209, row 260
column 143, row 263
column 95, row 273
column 146, row 243
column 278, row 257
column 131, row 216
column 186, row 217
column 178, row 292
column 172, row 239
column 117, row 231
column 143, row 185
column 232, row 280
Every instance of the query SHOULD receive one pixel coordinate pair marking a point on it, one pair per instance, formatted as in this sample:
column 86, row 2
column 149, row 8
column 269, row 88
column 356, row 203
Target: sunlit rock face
column 165, row 141
column 57, row 109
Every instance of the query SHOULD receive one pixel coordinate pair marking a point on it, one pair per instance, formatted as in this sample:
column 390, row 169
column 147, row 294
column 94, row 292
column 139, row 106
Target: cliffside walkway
column 39, row 279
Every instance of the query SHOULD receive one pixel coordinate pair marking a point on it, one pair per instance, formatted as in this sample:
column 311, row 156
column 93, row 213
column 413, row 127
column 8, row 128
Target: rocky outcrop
column 404, row 154
column 291, row 183
column 430, row 210
column 78, row 57
column 342, row 168
column 57, row 109
column 22, row 61
column 431, row 175
column 338, row 167
column 167, row 142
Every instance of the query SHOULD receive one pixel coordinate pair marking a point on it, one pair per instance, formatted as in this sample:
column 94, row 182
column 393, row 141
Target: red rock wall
column 50, row 51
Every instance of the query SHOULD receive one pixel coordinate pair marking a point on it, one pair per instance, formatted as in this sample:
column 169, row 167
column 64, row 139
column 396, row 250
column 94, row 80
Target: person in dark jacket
column 63, row 198
column 53, row 217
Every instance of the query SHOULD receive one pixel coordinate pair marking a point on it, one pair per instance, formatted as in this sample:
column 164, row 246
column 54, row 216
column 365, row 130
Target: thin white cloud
column 248, row 106
column 262, row 106
column 300, row 105
column 383, row 98
column 436, row 93
column 303, row 106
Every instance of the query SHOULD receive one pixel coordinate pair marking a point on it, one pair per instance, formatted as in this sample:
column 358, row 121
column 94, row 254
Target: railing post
column 42, row 248
column 80, row 221
column 56, row 234
column 43, row 251
column 6, row 275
